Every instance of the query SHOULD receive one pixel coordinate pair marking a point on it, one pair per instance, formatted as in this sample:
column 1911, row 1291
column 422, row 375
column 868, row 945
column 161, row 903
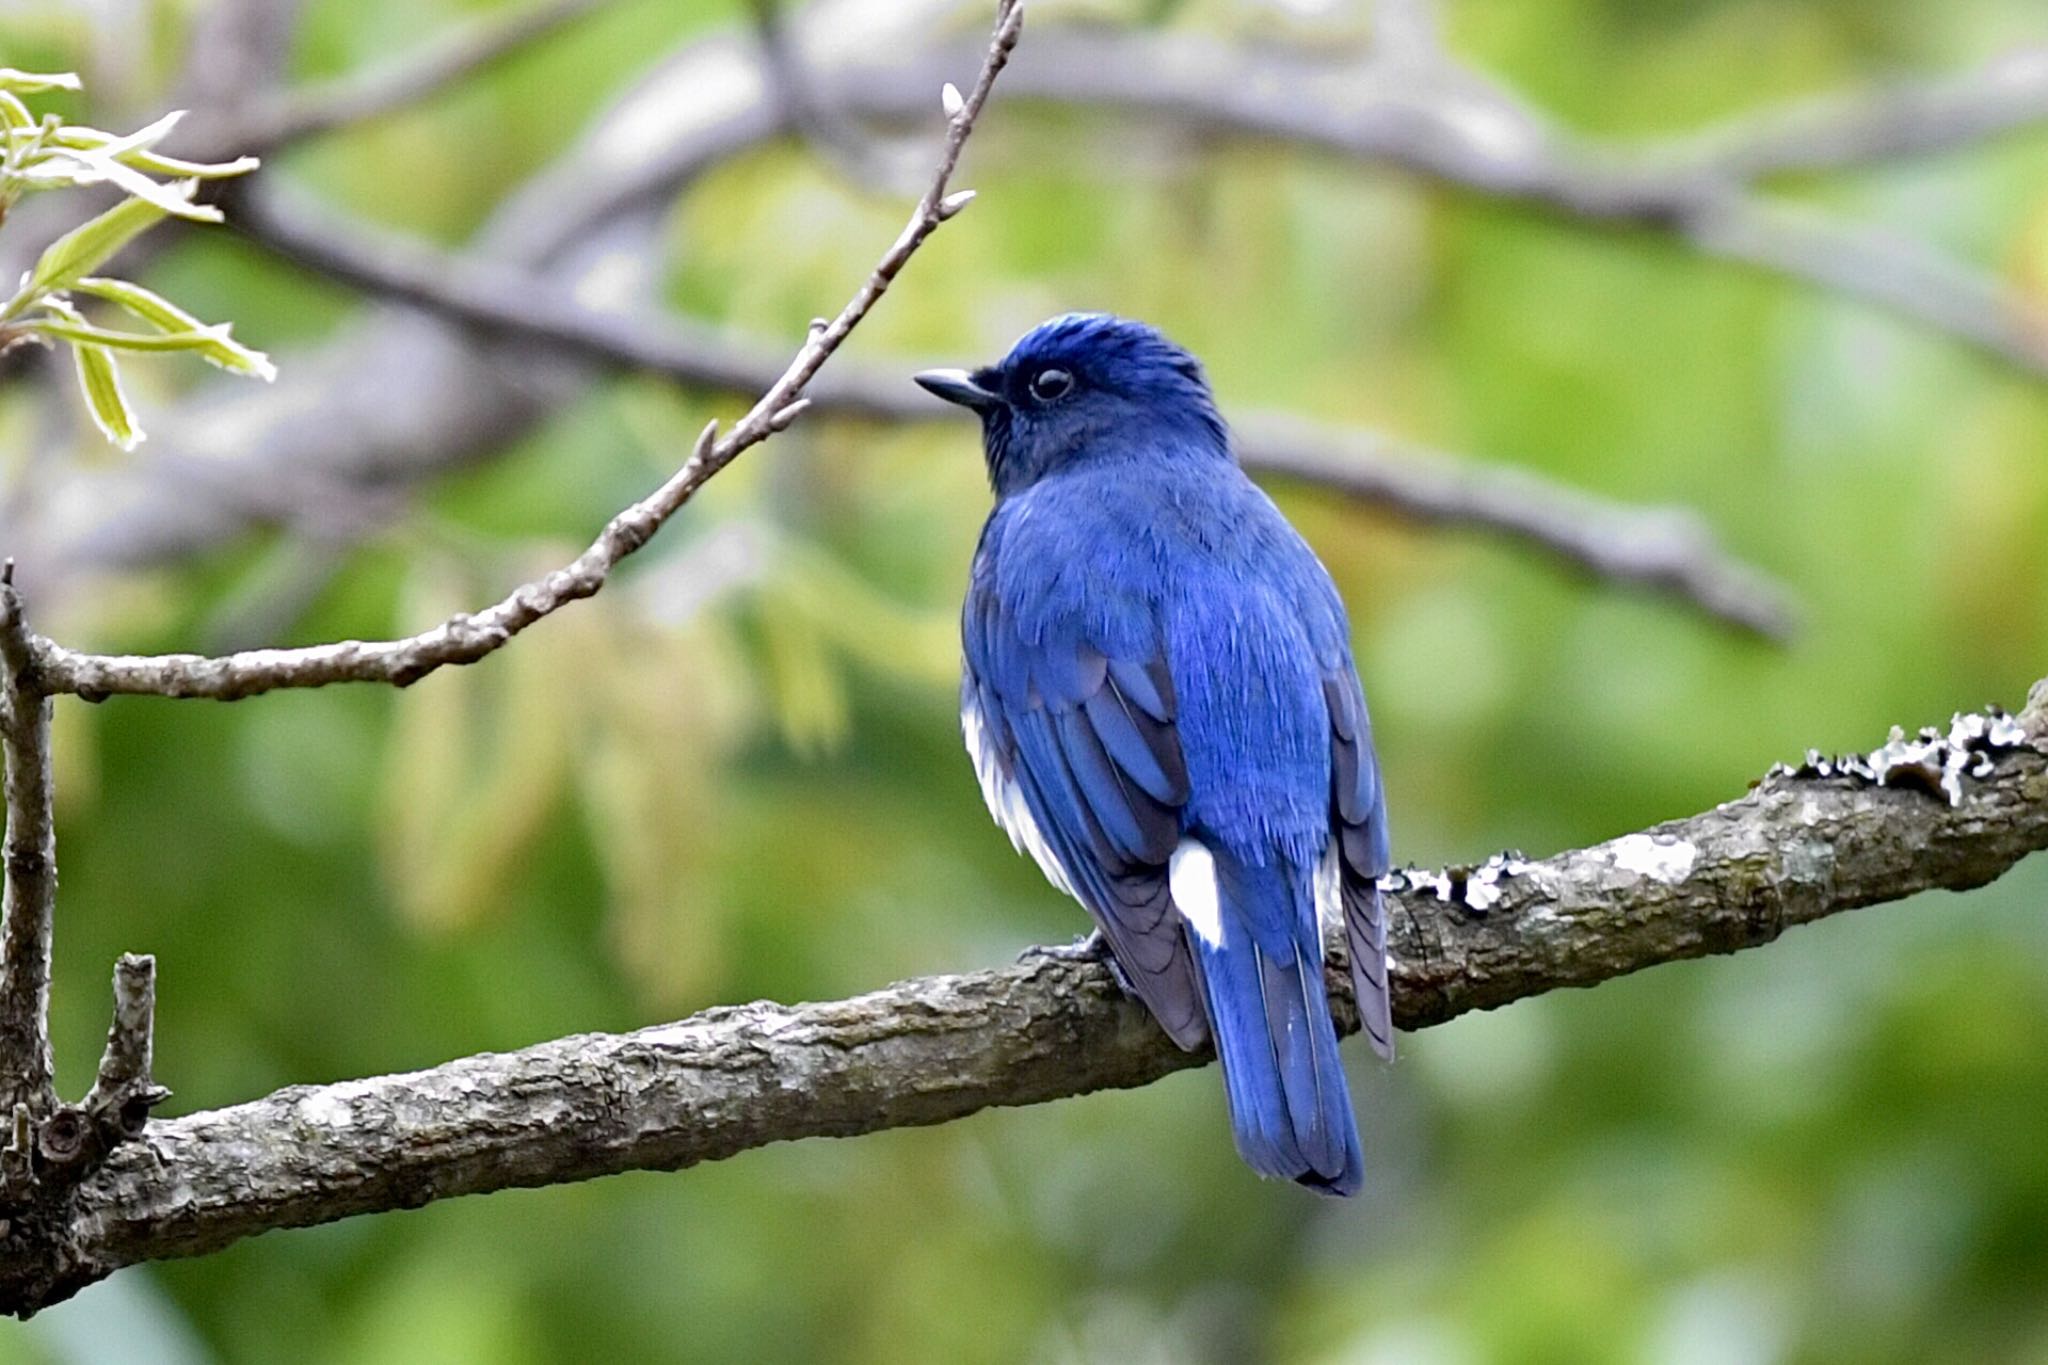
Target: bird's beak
column 958, row 386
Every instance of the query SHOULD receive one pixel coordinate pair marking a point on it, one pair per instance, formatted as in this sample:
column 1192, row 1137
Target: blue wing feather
column 1105, row 806
column 1218, row 705
column 1363, row 853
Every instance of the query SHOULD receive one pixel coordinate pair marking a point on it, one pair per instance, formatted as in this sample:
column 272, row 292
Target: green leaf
column 36, row 82
column 213, row 343
column 80, row 251
column 100, row 381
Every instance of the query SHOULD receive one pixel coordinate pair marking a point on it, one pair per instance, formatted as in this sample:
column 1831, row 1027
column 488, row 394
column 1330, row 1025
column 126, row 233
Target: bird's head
column 1085, row 388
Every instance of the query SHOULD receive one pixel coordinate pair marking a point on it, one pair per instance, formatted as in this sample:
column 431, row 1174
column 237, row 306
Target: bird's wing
column 1360, row 850
column 1073, row 738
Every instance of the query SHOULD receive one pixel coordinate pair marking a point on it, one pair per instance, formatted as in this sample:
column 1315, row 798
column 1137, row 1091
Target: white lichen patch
column 1665, row 860
column 1483, row 886
column 1931, row 760
column 327, row 1109
column 1476, row 888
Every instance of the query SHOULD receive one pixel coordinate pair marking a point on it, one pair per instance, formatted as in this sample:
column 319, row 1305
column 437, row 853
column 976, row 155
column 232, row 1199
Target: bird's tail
column 1290, row 1108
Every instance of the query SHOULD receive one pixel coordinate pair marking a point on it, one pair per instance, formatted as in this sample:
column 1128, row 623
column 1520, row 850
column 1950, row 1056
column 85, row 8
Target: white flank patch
column 1192, row 877
column 1668, row 862
column 1330, row 897
column 1006, row 802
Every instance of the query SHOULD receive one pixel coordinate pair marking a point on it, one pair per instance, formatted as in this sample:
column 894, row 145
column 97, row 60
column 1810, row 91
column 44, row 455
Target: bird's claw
column 1090, row 947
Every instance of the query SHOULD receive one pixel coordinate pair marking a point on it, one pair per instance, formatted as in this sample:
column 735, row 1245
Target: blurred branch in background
column 444, row 405
column 1829, row 837
column 354, row 100
column 1663, row 549
column 467, row 637
column 1447, row 121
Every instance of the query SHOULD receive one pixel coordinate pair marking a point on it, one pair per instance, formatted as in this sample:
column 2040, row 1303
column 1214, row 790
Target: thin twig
column 465, row 638
column 29, row 901
column 1795, row 850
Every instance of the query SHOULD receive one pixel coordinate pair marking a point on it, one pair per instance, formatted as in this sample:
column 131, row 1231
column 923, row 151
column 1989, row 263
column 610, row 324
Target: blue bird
column 1161, row 706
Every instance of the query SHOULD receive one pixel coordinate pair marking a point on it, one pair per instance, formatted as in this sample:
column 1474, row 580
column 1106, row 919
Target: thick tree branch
column 29, row 901
column 465, row 637
column 1800, row 847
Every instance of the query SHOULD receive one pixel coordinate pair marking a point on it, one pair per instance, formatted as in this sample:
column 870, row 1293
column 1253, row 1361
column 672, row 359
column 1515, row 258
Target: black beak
column 958, row 386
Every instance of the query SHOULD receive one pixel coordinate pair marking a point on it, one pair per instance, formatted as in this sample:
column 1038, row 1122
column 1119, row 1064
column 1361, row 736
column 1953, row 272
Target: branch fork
column 53, row 1151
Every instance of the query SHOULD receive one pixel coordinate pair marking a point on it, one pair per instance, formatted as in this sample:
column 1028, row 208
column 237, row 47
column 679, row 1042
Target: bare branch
column 29, row 901
column 1889, row 122
column 125, row 1090
column 834, row 139
column 465, row 638
column 445, row 402
column 1796, row 849
column 1454, row 125
column 405, row 81
column 237, row 49
column 1664, row 549
column 1879, row 267
column 1407, row 31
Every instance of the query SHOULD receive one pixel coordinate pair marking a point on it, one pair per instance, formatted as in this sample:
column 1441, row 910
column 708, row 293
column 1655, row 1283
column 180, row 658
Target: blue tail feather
column 1290, row 1107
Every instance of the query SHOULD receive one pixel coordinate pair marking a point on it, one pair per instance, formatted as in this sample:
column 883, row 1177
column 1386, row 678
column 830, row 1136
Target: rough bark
column 28, row 903
column 1828, row 836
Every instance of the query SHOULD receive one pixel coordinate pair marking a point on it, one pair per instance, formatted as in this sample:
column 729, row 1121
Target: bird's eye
column 1049, row 384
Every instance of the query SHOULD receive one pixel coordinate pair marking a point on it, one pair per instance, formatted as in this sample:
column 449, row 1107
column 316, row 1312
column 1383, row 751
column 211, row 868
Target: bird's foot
column 1090, row 947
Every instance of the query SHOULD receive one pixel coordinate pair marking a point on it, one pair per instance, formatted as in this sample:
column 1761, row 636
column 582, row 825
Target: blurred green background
column 738, row 774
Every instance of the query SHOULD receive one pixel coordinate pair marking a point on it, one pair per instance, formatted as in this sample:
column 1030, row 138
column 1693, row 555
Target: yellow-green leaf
column 214, row 344
column 66, row 166
column 145, row 158
column 100, row 381
column 36, row 82
column 80, row 251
